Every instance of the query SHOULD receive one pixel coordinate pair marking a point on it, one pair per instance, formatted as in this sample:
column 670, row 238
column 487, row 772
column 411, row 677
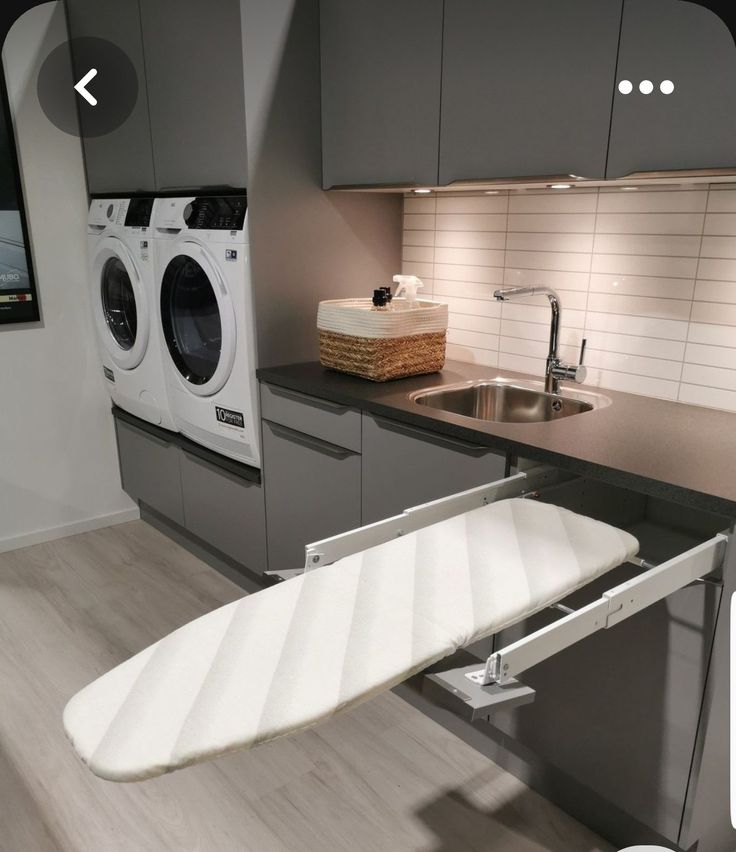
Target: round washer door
column 120, row 305
column 197, row 319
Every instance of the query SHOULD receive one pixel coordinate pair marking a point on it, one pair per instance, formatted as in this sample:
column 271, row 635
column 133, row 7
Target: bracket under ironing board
column 475, row 694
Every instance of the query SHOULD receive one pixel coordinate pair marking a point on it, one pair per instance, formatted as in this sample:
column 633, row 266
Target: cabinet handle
column 223, row 466
column 309, row 441
column 433, row 437
column 327, row 404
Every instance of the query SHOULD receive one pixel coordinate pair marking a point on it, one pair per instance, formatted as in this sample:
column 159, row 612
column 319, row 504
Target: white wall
column 648, row 276
column 58, row 463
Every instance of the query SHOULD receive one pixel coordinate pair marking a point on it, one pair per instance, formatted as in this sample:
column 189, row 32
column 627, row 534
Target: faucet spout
column 520, row 292
column 554, row 370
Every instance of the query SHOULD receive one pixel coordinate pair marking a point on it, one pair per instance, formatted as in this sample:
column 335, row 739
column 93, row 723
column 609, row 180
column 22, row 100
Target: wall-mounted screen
column 18, row 296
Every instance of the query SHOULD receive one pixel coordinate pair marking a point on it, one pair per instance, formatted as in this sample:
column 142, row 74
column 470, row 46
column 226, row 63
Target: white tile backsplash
column 647, row 276
column 720, row 224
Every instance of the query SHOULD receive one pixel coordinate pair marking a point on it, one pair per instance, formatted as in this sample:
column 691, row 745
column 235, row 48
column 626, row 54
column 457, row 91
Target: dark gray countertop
column 679, row 452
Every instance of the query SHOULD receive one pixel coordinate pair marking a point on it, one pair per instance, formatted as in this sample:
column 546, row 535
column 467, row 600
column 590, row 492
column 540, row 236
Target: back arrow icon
column 80, row 87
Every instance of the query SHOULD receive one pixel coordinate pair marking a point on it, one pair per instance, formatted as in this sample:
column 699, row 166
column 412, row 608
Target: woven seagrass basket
column 382, row 345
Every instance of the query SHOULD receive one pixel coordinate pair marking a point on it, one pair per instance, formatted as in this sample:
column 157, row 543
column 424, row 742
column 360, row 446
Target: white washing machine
column 206, row 321
column 123, row 290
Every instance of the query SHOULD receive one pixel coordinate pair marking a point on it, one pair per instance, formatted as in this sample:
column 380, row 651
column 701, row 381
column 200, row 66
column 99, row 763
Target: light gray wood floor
column 382, row 778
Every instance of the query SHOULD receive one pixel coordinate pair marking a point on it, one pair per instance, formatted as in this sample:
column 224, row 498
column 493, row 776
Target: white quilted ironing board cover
column 295, row 654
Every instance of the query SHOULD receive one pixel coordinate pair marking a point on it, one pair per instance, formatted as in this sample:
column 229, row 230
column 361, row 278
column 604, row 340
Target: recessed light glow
column 666, row 87
column 629, row 188
column 560, row 186
column 626, row 87
column 421, row 191
column 491, row 192
column 646, row 87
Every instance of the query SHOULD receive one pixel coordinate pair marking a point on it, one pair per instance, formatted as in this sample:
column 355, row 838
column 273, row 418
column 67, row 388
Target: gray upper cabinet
column 381, row 68
column 120, row 161
column 194, row 73
column 187, row 129
column 527, row 87
column 694, row 126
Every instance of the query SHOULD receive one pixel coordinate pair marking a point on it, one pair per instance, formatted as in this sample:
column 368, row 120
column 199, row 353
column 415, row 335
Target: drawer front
column 312, row 492
column 149, row 467
column 225, row 511
column 334, row 423
column 404, row 466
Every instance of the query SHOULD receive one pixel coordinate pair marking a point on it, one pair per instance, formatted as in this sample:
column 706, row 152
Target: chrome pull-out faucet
column 555, row 370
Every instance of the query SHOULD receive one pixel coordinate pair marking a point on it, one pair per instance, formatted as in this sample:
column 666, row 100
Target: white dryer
column 123, row 294
column 206, row 321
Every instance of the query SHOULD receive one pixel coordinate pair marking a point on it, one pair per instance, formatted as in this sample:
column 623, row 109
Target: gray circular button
column 105, row 87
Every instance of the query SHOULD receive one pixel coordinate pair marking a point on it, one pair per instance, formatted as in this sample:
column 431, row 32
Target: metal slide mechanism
column 410, row 520
column 613, row 607
column 475, row 693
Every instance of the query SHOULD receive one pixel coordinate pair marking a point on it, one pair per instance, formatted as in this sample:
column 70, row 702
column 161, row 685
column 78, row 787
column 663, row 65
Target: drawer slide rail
column 329, row 550
column 613, row 607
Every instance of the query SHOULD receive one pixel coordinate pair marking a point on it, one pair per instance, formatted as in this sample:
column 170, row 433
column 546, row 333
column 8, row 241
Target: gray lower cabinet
column 149, row 467
column 695, row 125
column 221, row 504
column 404, row 466
column 521, row 94
column 381, row 64
column 312, row 492
column 224, row 510
column 627, row 699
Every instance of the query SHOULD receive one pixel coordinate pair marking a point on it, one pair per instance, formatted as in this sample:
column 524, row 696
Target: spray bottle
column 408, row 286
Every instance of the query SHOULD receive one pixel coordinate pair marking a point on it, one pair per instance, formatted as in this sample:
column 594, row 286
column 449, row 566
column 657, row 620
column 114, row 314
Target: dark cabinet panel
column 694, row 126
column 381, row 66
column 120, row 161
column 194, row 71
column 330, row 421
column 625, row 699
column 312, row 492
column 404, row 466
column 527, row 87
column 149, row 467
column 225, row 510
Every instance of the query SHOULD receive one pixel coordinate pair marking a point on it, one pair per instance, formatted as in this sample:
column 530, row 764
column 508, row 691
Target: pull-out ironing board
column 291, row 656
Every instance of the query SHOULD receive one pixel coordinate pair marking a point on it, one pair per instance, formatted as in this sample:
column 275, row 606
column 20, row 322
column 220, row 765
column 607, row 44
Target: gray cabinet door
column 694, row 126
column 618, row 712
column 194, row 69
column 381, row 66
column 120, row 161
column 225, row 511
column 527, row 87
column 149, row 468
column 404, row 466
column 312, row 492
column 321, row 418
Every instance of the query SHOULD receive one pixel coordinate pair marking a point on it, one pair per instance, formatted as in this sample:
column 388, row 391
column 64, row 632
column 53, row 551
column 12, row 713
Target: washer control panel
column 225, row 213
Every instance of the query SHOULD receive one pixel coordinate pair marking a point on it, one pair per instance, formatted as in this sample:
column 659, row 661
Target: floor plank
column 381, row 778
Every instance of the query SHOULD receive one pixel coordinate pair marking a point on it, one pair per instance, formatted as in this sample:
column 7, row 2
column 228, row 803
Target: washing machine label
column 109, row 375
column 144, row 249
column 231, row 254
column 230, row 417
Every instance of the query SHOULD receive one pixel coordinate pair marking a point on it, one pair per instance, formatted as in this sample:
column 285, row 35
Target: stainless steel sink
column 504, row 401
